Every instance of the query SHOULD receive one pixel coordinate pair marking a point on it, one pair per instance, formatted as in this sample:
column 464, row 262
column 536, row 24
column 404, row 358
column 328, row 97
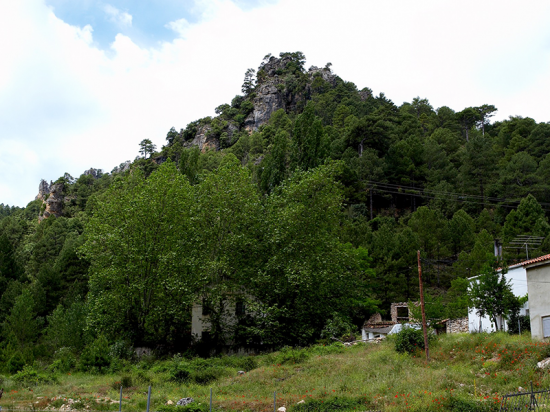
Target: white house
column 538, row 285
column 517, row 276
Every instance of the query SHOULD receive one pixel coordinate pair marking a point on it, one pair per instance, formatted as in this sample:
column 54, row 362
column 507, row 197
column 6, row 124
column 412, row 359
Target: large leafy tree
column 308, row 273
column 141, row 284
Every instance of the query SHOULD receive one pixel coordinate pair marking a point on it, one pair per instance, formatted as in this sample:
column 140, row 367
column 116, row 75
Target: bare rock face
column 325, row 73
column 269, row 98
column 43, row 190
column 365, row 94
column 203, row 140
column 95, row 173
column 54, row 202
column 271, row 93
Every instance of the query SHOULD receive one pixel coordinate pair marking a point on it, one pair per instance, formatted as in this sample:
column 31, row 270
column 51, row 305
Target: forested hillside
column 305, row 197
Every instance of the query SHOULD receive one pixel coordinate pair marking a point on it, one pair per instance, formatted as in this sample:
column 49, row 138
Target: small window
column 546, row 327
column 527, row 312
column 205, row 308
column 240, row 308
column 206, row 337
column 402, row 313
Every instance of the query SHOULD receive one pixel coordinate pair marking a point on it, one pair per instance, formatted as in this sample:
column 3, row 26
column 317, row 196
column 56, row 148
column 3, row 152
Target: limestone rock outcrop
column 268, row 100
column 54, row 202
column 95, row 173
column 204, row 140
column 43, row 190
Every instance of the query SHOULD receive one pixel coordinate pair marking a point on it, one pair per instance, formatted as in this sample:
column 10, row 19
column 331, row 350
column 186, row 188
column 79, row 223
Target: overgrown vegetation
column 467, row 372
column 311, row 222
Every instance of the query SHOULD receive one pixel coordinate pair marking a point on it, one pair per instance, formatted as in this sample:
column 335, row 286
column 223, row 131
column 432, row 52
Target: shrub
column 409, row 340
column 465, row 405
column 95, row 357
column 121, row 350
column 15, row 363
column 247, row 363
column 125, row 382
column 64, row 361
column 204, row 376
column 29, row 376
column 290, row 355
column 179, row 373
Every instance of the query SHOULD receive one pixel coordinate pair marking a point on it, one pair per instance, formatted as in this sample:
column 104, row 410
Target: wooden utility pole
column 424, row 326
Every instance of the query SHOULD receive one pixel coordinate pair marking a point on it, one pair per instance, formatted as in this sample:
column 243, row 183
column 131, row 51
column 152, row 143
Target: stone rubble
column 185, row 401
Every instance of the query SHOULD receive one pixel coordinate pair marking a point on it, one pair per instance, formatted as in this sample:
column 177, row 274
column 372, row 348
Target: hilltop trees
column 313, row 219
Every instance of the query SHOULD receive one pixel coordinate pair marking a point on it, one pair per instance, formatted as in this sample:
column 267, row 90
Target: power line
column 462, row 198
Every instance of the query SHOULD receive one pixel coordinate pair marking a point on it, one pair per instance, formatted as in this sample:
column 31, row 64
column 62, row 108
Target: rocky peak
column 43, row 190
column 95, row 173
column 274, row 67
column 325, row 73
column 54, row 201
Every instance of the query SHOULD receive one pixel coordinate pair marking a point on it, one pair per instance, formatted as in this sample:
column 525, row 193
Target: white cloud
column 67, row 106
column 119, row 17
column 180, row 26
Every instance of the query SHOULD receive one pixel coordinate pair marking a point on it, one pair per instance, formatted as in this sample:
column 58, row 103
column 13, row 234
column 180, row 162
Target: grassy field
column 466, row 373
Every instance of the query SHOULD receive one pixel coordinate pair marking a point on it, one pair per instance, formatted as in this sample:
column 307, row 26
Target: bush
column 463, row 405
column 125, row 382
column 16, row 363
column 409, row 340
column 64, row 361
column 290, row 355
column 204, row 376
column 95, row 357
column 179, row 373
column 29, row 376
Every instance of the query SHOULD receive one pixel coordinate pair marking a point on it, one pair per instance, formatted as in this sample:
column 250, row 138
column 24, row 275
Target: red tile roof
column 531, row 261
column 536, row 260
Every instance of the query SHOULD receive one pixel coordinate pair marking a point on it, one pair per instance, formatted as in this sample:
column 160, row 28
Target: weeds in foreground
column 466, row 373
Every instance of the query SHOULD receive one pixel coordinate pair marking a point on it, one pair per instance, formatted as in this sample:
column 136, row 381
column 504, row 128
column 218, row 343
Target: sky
column 82, row 82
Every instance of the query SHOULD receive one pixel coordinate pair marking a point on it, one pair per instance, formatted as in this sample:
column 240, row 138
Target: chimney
column 498, row 248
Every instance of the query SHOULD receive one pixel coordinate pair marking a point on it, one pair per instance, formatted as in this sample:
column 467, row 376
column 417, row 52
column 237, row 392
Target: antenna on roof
column 526, row 240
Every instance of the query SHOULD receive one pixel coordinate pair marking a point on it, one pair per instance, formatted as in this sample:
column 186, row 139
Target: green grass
column 466, row 373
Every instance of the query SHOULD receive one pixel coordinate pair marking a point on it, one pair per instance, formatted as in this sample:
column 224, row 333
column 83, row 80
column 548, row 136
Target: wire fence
column 526, row 401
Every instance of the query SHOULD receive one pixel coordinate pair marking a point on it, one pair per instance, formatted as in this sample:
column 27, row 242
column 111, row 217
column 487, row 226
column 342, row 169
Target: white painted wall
column 538, row 281
column 517, row 276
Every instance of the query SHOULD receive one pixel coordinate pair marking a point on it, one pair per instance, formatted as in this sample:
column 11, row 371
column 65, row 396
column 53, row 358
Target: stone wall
column 457, row 325
column 393, row 312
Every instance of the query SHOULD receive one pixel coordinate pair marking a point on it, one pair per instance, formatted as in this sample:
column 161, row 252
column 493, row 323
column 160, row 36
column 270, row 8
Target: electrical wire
column 462, row 198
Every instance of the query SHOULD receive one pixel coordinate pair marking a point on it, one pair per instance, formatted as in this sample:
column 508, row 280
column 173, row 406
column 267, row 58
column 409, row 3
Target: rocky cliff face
column 279, row 86
column 203, row 139
column 43, row 190
column 54, row 202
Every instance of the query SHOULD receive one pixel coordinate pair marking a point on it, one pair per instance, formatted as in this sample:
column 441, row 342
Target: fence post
column 149, row 398
column 210, row 399
column 274, row 401
column 120, row 402
column 533, row 403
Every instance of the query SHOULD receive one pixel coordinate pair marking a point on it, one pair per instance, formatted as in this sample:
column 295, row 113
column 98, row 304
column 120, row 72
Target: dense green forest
column 305, row 197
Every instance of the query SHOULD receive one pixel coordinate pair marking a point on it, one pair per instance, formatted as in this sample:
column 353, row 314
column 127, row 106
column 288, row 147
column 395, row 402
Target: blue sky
column 83, row 82
column 147, row 25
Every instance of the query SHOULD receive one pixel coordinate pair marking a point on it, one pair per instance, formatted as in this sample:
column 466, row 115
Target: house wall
column 201, row 323
column 538, row 282
column 517, row 276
